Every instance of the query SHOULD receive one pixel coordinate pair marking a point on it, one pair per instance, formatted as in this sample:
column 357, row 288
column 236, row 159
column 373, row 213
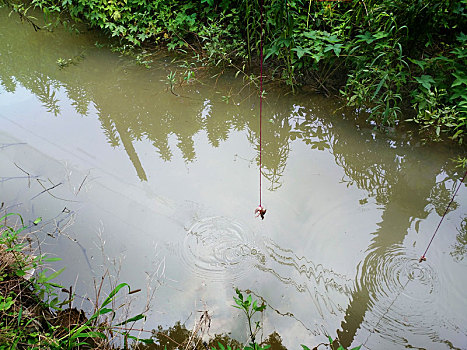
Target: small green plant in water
column 250, row 308
column 189, row 76
column 65, row 62
column 171, row 80
column 144, row 59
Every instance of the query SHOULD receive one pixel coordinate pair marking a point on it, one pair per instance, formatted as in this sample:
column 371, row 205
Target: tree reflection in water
column 459, row 250
column 176, row 337
column 129, row 112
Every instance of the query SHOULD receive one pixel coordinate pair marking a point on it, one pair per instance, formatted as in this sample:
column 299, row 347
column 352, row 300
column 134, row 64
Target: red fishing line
column 260, row 211
column 423, row 257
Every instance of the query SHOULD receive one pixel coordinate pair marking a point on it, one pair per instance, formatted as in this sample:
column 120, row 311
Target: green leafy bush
column 441, row 99
column 381, row 55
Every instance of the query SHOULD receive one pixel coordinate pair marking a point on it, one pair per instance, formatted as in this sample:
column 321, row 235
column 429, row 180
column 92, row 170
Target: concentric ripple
column 386, row 273
column 400, row 292
column 217, row 248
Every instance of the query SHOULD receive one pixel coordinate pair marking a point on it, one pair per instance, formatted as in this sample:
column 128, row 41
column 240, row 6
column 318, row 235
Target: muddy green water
column 159, row 190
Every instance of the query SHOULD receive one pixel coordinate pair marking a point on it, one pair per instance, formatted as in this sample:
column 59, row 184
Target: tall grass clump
column 31, row 314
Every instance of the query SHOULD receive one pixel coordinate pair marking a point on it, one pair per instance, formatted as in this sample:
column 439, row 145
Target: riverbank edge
column 34, row 314
column 374, row 55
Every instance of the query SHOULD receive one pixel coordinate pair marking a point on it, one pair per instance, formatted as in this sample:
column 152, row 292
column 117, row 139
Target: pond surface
column 158, row 190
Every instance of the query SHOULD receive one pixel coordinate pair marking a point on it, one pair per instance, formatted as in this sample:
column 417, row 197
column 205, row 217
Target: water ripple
column 329, row 291
column 218, row 248
column 387, row 273
column 401, row 292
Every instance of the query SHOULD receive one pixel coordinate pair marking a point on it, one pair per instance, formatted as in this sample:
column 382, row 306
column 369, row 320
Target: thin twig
column 204, row 320
column 24, row 171
column 23, row 16
column 46, row 190
column 98, row 291
column 5, row 179
column 5, row 145
column 79, row 189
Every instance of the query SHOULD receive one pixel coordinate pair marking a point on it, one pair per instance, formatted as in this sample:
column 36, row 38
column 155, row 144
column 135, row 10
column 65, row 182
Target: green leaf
column 248, row 300
column 420, row 63
column 356, row 348
column 112, row 293
column 239, row 294
column 328, row 48
column 55, row 285
column 457, row 134
column 380, row 35
column 367, row 37
column 426, row 81
column 91, row 334
column 10, row 214
column 20, row 314
column 458, row 92
column 132, row 319
column 317, row 56
column 332, row 38
column 80, row 344
column 20, row 273
column 460, row 79
column 337, row 49
column 39, row 219
column 305, row 347
column 462, row 37
column 379, row 86
column 273, row 50
column 104, row 310
column 301, row 51
column 53, row 275
column 101, row 311
column 6, row 304
column 310, row 35
column 45, row 259
column 209, row 2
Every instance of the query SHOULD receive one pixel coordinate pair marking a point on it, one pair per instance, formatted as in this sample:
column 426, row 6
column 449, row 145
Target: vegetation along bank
column 34, row 314
column 381, row 55
column 385, row 55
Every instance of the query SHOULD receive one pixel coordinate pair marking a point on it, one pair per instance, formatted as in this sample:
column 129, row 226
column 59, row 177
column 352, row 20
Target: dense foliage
column 381, row 55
